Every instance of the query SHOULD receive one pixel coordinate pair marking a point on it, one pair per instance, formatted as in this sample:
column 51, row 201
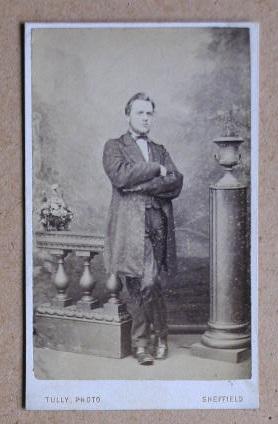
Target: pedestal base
column 93, row 332
column 227, row 355
column 226, row 337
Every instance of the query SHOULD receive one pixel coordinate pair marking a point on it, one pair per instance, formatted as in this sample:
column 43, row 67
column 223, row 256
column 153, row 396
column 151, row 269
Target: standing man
column 140, row 240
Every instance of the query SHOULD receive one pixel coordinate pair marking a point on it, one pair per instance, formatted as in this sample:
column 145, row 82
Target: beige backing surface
column 12, row 14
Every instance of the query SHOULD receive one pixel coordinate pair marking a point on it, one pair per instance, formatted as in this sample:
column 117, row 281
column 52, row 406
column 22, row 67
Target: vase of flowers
column 55, row 214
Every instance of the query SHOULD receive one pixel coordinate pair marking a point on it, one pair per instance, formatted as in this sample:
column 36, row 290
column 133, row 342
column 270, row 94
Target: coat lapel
column 154, row 154
column 132, row 148
column 135, row 153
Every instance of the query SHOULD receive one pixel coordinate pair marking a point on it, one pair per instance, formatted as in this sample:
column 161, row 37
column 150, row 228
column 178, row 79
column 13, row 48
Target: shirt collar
column 136, row 136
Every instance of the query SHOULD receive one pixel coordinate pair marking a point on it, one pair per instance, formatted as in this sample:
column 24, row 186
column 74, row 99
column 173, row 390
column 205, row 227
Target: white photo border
column 131, row 394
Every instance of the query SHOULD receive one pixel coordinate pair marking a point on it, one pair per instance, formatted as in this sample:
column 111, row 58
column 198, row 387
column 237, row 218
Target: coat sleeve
column 167, row 187
column 125, row 174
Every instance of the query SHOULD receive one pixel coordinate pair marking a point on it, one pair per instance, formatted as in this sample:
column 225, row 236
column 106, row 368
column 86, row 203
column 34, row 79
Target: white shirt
column 142, row 143
column 143, row 146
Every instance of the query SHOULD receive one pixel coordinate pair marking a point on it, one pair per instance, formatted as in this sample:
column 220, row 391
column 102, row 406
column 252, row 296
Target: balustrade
column 85, row 327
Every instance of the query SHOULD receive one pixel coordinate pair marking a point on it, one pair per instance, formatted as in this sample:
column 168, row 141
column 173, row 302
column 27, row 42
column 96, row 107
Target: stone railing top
column 67, row 240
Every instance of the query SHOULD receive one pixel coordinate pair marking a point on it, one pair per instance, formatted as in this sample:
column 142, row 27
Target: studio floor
column 180, row 365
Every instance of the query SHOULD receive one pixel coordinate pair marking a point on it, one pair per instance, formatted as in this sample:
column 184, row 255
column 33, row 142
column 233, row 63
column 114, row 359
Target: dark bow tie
column 142, row 136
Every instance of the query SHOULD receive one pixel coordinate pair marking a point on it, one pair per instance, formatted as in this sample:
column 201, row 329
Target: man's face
column 140, row 118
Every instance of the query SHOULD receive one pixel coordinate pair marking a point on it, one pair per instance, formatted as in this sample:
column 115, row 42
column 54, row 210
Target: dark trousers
column 145, row 300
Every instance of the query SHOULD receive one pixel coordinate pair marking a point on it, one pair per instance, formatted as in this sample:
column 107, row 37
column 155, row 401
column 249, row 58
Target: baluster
column 87, row 283
column 61, row 281
column 114, row 286
column 114, row 306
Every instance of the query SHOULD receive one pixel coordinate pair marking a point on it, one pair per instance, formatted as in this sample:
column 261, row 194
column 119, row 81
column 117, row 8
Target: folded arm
column 124, row 174
column 167, row 187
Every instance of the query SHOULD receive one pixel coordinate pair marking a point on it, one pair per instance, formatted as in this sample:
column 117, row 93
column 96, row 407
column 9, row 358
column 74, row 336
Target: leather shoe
column 143, row 356
column 160, row 349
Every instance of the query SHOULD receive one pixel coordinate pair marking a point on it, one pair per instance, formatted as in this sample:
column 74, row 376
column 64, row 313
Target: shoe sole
column 148, row 362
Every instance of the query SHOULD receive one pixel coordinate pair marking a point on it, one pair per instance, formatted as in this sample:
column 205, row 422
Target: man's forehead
column 139, row 104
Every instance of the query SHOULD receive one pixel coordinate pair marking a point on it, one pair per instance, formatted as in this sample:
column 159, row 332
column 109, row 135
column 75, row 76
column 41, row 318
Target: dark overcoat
column 135, row 182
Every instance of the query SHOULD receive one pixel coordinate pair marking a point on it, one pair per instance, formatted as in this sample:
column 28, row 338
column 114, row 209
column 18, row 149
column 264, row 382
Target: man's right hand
column 132, row 189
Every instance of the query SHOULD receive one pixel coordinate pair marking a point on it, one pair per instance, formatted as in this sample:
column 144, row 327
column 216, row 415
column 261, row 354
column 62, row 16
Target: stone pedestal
column 93, row 332
column 228, row 334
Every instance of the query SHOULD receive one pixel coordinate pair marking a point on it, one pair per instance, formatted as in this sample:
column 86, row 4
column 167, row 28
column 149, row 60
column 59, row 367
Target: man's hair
column 138, row 96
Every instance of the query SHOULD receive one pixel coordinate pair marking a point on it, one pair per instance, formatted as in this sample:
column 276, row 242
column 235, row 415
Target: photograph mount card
column 141, row 146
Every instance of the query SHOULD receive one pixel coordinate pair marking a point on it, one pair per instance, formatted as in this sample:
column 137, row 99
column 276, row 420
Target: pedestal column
column 228, row 336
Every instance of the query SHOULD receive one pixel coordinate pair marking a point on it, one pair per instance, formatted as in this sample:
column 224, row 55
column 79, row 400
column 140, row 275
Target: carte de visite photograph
column 141, row 161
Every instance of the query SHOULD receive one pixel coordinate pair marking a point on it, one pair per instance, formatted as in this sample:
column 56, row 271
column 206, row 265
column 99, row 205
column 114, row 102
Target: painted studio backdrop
column 81, row 81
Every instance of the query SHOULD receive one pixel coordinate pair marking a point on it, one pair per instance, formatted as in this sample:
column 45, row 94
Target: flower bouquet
column 55, row 215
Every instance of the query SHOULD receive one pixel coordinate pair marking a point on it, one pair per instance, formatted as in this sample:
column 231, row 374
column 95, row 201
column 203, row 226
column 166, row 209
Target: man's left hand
column 163, row 171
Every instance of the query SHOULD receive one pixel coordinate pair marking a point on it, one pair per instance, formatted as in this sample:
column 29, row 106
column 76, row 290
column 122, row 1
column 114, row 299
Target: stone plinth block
column 61, row 302
column 84, row 305
column 227, row 355
column 91, row 333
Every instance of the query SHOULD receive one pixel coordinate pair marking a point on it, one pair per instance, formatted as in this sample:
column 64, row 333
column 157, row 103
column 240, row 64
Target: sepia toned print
column 143, row 220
